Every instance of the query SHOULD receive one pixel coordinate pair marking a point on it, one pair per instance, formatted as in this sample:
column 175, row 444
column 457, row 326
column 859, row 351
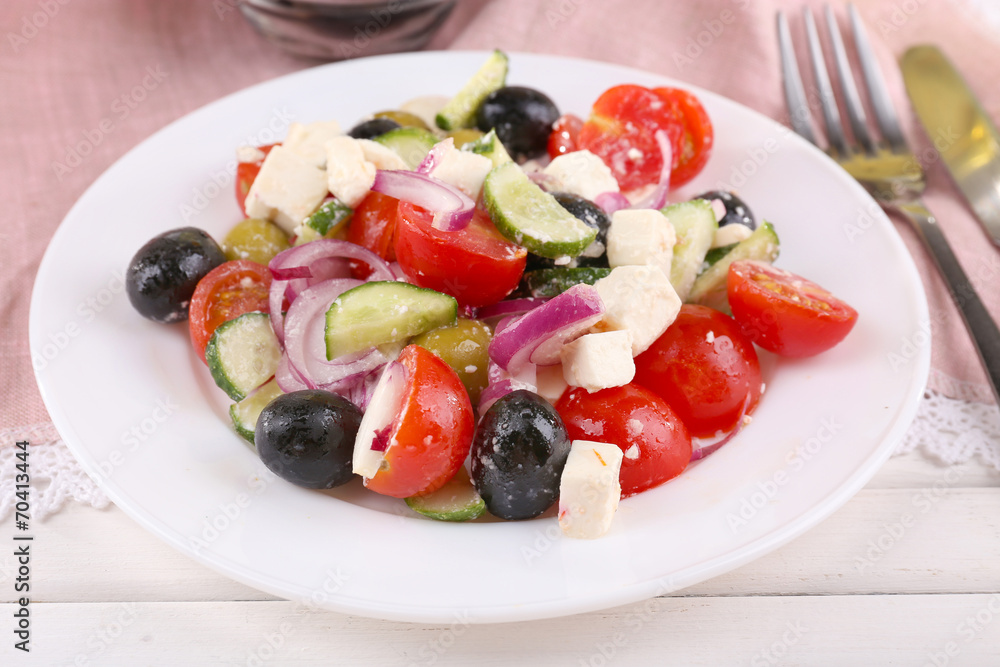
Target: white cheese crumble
column 640, row 300
column 731, row 234
column 309, row 141
column 589, row 490
column 349, row 175
column 286, row 190
column 598, row 360
column 641, row 236
column 581, row 173
column 632, row 453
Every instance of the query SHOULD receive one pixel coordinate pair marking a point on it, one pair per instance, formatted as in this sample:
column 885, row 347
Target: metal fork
column 886, row 168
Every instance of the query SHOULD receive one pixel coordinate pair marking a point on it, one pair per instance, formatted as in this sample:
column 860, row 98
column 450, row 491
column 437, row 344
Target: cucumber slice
column 545, row 283
column 460, row 111
column 715, row 254
column 410, row 143
column 327, row 221
column 489, row 145
column 455, row 501
column 695, row 224
column 710, row 287
column 531, row 217
column 242, row 354
column 383, row 312
column 245, row 413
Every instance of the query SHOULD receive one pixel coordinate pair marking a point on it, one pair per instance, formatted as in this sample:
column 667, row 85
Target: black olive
column 162, row 276
column 736, row 210
column 590, row 214
column 370, row 129
column 307, row 438
column 522, row 118
column 518, row 455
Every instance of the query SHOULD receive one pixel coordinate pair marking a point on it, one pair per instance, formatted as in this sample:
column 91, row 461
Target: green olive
column 254, row 239
column 464, row 136
column 463, row 346
column 404, row 118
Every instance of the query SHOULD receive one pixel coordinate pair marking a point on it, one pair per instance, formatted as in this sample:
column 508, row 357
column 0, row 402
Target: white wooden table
column 907, row 573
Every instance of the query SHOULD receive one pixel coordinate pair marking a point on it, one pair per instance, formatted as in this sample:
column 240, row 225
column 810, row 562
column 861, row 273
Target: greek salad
column 484, row 304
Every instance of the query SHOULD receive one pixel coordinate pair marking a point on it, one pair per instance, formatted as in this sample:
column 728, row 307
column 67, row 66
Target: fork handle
column 982, row 328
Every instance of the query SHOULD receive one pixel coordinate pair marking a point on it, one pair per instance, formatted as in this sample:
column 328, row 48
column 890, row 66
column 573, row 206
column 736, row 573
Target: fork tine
column 795, row 94
column 852, row 101
column 831, row 115
column 878, row 92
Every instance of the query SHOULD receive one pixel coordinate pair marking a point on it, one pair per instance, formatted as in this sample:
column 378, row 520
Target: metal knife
column 960, row 130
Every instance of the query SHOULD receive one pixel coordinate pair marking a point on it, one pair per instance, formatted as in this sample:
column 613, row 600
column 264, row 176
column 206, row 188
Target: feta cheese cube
column 550, row 382
column 581, row 173
column 589, row 489
column 599, row 360
column 286, row 190
column 640, row 300
column 349, row 175
column 641, row 236
column 381, row 156
column 309, row 141
column 249, row 154
column 463, row 169
column 732, row 233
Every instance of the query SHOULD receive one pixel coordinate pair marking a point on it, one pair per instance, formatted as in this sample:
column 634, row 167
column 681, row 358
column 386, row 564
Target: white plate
column 143, row 416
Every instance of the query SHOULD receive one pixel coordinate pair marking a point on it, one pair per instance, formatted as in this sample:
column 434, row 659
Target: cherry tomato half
column 654, row 440
column 372, row 226
column 621, row 131
column 705, row 368
column 226, row 292
column 246, row 174
column 431, row 435
column 694, row 146
column 564, row 135
column 476, row 265
column 785, row 313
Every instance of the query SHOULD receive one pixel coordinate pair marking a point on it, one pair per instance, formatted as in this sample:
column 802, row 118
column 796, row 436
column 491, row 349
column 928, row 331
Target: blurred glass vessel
column 342, row 29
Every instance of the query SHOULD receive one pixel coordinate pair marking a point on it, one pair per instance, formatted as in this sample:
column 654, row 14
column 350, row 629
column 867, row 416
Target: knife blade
column 960, row 130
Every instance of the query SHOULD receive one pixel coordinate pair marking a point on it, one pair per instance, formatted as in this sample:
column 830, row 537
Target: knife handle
column 982, row 328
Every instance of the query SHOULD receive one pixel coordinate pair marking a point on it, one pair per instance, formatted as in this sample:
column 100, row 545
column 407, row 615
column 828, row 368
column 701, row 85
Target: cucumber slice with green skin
column 715, row 254
column 243, row 354
column 531, row 217
column 410, row 143
column 328, row 219
column 460, row 111
column 710, row 287
column 489, row 145
column 457, row 500
column 383, row 312
column 695, row 224
column 545, row 283
column 245, row 413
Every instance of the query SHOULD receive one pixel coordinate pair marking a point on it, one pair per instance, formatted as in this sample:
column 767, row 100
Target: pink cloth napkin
column 68, row 72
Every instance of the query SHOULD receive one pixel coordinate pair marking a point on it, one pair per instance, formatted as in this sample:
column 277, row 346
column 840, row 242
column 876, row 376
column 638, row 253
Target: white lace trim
column 55, row 475
column 948, row 430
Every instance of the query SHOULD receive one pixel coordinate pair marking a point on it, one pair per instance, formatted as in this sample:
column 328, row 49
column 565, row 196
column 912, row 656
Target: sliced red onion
column 385, row 406
column 658, row 197
column 452, row 208
column 360, row 393
column 539, row 335
column 612, row 201
column 502, row 383
column 719, row 208
column 305, row 340
column 397, row 271
column 316, row 258
column 288, row 379
column 434, row 156
column 510, row 307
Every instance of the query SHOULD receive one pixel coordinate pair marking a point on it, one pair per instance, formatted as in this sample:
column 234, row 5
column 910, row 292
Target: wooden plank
column 933, row 540
column 819, row 631
column 915, row 470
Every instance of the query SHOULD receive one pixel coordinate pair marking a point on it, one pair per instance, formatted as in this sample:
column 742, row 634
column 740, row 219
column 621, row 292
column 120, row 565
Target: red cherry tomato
column 621, row 131
column 694, row 146
column 246, row 174
column 432, row 434
column 226, row 292
column 563, row 138
column 705, row 368
column 652, row 437
column 785, row 313
column 372, row 226
column 476, row 265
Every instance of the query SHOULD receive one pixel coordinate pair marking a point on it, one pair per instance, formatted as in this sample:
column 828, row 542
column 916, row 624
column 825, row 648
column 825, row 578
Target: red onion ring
column 612, row 201
column 510, row 307
column 658, row 197
column 452, row 208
